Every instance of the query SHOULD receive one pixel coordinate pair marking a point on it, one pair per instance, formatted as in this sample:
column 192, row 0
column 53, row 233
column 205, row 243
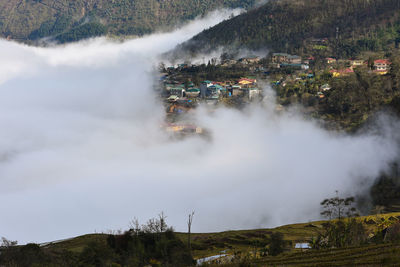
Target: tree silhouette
column 337, row 208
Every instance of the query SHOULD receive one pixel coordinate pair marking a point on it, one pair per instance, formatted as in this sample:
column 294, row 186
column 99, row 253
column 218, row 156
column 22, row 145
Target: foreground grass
column 77, row 244
column 368, row 255
column 247, row 241
column 249, row 244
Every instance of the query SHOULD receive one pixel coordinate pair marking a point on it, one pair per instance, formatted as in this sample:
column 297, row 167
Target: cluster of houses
column 279, row 60
column 337, row 68
column 380, row 66
column 211, row 90
column 252, row 63
column 181, row 97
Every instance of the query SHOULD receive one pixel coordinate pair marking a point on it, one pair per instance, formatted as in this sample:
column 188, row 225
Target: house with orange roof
column 247, row 82
column 382, row 66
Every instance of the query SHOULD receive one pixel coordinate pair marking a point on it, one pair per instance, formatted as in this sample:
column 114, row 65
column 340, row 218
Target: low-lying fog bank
column 81, row 148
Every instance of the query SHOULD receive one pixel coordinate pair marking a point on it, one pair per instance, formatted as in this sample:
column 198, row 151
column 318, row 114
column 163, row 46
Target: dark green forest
column 286, row 26
column 30, row 20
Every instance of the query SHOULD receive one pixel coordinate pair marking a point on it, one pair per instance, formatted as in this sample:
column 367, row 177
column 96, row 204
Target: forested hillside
column 73, row 20
column 286, row 25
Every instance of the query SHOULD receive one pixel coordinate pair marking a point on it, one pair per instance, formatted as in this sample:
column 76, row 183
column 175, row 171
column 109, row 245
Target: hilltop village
column 310, row 82
column 182, row 89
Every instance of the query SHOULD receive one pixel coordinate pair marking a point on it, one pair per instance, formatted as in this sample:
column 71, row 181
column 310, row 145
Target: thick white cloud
column 81, row 149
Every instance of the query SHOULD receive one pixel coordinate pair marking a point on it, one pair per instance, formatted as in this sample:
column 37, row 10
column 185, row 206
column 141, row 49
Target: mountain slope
column 245, row 247
column 33, row 19
column 286, row 24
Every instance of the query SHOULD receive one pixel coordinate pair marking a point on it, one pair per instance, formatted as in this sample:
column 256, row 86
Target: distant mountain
column 73, row 20
column 285, row 25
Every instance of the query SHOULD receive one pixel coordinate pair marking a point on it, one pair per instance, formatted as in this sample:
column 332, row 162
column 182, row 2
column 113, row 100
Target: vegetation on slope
column 387, row 254
column 33, row 19
column 375, row 242
column 318, row 29
column 152, row 244
column 352, row 98
column 285, row 25
column 385, row 193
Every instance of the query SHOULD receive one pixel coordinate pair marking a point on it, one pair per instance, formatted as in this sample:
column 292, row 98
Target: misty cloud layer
column 81, row 148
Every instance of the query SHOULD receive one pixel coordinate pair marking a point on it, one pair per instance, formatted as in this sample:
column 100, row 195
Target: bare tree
column 337, row 207
column 190, row 221
column 151, row 226
column 154, row 225
column 5, row 243
column 162, row 222
column 134, row 226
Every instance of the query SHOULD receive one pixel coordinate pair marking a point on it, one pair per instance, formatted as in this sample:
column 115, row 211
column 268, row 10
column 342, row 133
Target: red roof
column 382, row 61
column 348, row 70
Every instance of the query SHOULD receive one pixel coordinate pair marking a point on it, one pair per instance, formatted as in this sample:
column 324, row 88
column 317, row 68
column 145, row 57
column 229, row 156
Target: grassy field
column 77, row 244
column 249, row 244
column 209, row 244
column 369, row 255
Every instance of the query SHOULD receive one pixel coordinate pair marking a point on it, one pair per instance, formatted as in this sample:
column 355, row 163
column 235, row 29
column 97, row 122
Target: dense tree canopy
column 33, row 19
column 285, row 26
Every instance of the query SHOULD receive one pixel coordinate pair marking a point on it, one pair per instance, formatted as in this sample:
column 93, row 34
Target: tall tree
column 337, row 207
column 189, row 223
